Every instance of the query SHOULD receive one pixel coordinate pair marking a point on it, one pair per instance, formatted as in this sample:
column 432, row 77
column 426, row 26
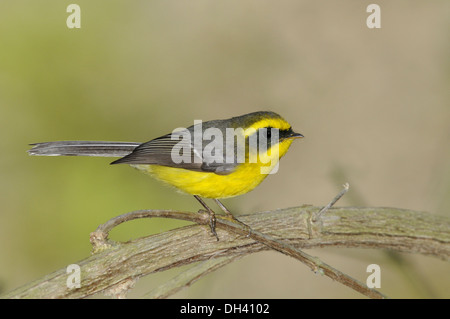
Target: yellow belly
column 206, row 184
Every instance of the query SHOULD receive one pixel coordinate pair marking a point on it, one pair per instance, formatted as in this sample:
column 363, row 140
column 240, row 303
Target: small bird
column 213, row 159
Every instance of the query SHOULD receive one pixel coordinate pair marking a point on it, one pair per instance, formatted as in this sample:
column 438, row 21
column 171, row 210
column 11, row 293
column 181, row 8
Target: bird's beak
column 295, row 135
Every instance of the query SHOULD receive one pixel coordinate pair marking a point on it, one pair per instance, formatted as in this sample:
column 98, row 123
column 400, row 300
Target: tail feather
column 83, row 148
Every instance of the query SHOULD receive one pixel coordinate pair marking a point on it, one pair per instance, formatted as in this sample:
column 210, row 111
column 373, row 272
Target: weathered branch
column 116, row 266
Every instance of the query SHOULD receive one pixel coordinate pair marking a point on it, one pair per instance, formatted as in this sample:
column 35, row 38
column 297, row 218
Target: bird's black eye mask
column 265, row 137
column 267, row 132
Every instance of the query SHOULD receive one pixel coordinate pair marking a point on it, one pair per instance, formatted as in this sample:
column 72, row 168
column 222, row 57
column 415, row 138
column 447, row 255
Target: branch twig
column 314, row 263
column 317, row 216
column 119, row 264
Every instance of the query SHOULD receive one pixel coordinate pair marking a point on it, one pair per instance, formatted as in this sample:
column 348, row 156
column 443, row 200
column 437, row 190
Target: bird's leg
column 212, row 216
column 230, row 215
column 226, row 211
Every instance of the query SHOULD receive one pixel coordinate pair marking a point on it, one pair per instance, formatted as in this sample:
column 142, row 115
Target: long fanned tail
column 83, row 148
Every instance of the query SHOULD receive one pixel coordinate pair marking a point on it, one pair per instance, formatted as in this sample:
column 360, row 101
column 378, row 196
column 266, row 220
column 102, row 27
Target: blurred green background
column 374, row 106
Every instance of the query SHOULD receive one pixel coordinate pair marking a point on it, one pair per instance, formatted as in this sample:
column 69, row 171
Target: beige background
column 372, row 104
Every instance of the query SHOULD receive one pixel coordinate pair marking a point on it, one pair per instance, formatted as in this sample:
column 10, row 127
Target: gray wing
column 160, row 152
column 174, row 151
